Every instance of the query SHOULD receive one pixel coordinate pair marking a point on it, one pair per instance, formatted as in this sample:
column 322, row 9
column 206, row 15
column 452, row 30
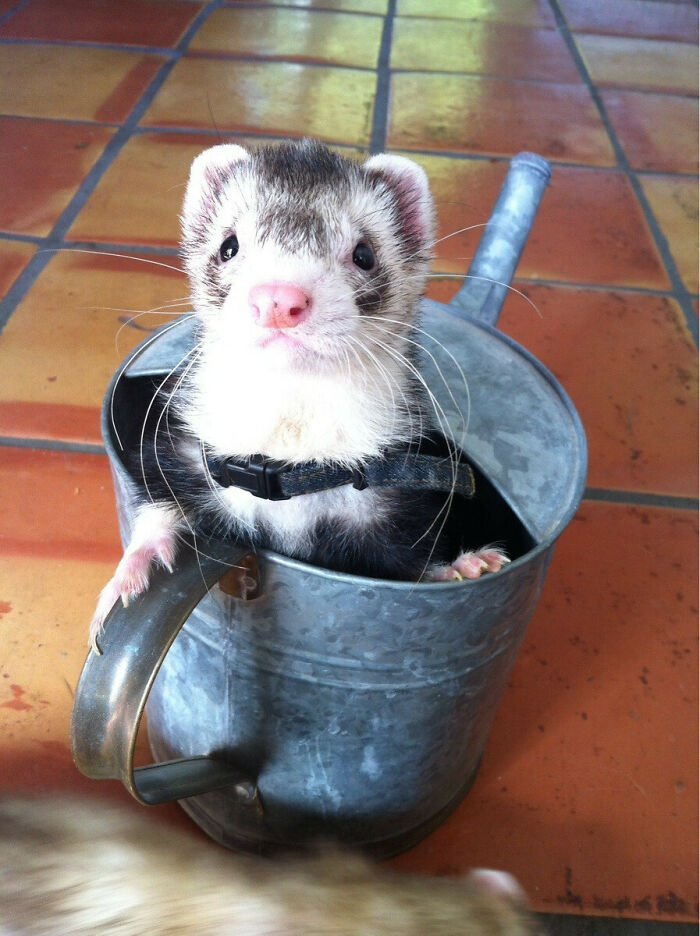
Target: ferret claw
column 130, row 580
column 469, row 565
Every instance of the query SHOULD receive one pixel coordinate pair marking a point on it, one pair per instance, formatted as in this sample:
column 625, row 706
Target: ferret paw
column 469, row 565
column 130, row 580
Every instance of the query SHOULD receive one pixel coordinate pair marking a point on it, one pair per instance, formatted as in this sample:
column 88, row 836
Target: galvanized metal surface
column 335, row 704
column 493, row 266
column 360, row 707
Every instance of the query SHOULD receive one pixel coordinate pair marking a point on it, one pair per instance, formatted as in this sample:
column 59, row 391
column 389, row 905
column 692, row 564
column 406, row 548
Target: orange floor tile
column 421, row 44
column 49, row 81
column 647, row 64
column 36, row 189
column 646, row 122
column 267, row 98
column 50, row 392
column 677, row 21
column 134, row 22
column 600, row 698
column 496, row 117
column 517, row 12
column 293, row 35
column 594, row 230
column 13, row 259
column 675, row 203
column 588, row 785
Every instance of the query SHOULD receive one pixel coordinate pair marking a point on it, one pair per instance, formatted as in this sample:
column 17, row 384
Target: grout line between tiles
column 600, row 495
column 242, row 4
column 555, row 163
column 641, row 498
column 523, row 280
column 652, row 173
column 257, row 135
column 127, row 249
column 78, row 121
column 22, row 238
column 561, row 924
column 168, row 51
column 248, row 58
column 678, row 289
column 39, row 261
column 54, row 445
column 380, row 115
column 8, row 14
column 596, row 287
column 103, row 246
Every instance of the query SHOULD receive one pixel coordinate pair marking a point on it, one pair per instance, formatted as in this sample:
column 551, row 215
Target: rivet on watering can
column 246, row 790
column 242, row 581
column 249, row 796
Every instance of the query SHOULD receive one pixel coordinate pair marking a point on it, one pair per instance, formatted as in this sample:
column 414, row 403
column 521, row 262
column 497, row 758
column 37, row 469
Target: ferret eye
column 363, row 256
column 229, row 248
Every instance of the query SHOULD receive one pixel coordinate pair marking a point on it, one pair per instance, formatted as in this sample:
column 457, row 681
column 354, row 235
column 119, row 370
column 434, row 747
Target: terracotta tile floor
column 588, row 789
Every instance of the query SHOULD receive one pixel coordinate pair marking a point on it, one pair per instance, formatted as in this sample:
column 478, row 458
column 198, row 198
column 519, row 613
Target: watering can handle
column 113, row 687
column 486, row 284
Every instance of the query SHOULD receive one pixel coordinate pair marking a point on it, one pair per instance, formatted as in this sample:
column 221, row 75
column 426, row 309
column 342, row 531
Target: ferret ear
column 409, row 184
column 208, row 172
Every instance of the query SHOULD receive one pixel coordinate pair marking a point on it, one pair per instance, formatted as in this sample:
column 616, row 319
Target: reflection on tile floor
column 421, row 44
column 293, row 35
column 49, row 81
column 517, row 12
column 496, row 116
column 674, row 201
column 588, row 788
column 646, row 64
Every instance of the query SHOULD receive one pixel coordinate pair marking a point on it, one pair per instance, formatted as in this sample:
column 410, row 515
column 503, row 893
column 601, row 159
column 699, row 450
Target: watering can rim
column 577, row 485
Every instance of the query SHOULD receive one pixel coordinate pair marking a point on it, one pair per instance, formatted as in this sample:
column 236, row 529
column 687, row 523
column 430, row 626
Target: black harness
column 429, row 469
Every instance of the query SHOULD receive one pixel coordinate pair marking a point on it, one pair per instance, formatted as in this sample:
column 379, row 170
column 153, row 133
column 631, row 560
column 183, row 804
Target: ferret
column 72, row 867
column 306, row 272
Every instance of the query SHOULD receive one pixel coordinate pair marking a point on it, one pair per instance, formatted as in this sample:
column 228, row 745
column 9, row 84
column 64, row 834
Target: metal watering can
column 330, row 704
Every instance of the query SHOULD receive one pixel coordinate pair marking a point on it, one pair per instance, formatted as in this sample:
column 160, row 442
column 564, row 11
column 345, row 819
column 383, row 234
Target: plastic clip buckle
column 359, row 480
column 258, row 475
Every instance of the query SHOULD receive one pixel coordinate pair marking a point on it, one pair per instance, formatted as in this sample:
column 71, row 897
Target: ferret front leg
column 469, row 565
column 153, row 540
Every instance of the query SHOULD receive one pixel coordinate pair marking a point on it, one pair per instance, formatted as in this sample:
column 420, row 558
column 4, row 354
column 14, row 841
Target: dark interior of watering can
column 485, row 519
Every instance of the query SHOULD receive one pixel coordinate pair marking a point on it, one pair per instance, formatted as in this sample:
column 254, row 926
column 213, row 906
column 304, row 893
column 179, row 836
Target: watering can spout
column 486, row 283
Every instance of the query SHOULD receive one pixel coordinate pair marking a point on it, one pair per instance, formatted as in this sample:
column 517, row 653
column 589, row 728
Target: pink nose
column 279, row 305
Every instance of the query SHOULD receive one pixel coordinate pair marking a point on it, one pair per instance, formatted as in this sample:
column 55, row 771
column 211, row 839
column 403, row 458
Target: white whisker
column 119, row 376
column 107, row 253
column 447, row 433
column 471, row 227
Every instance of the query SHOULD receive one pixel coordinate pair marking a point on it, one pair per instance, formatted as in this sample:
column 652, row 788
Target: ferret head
column 302, row 258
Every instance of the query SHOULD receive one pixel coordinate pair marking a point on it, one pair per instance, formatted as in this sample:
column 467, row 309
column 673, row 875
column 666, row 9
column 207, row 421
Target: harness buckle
column 258, row 475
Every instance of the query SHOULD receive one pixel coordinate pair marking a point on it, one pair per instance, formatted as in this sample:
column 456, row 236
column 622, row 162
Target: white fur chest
column 237, row 407
column 290, row 524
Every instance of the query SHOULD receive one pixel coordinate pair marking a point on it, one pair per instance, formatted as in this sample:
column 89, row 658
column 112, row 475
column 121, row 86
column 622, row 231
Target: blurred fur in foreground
column 72, row 867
